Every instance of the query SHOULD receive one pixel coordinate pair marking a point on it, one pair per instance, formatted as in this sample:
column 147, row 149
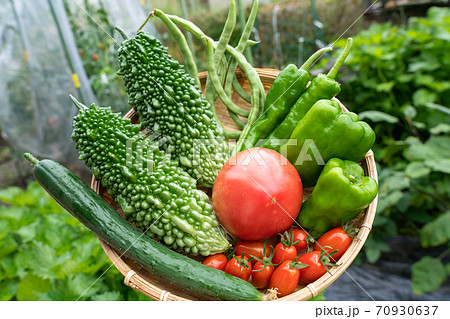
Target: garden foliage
column 48, row 255
column 397, row 79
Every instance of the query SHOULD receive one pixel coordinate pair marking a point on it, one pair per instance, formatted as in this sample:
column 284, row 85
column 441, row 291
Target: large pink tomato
column 257, row 194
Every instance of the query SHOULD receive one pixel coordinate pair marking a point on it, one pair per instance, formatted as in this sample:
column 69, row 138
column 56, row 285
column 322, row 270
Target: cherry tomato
column 285, row 278
column 285, row 249
column 302, row 237
column 283, row 253
column 257, row 194
column 252, row 249
column 336, row 238
column 217, row 261
column 239, row 267
column 94, row 57
column 318, row 263
column 261, row 278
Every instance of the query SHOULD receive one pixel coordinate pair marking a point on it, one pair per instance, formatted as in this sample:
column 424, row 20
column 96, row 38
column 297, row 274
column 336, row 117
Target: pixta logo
column 308, row 148
column 140, row 151
column 289, row 148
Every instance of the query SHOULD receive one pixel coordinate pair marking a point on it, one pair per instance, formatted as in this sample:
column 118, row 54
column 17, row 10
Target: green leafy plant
column 48, row 255
column 397, row 80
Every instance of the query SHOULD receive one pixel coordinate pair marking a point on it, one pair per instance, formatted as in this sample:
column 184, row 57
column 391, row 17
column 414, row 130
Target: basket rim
column 140, row 283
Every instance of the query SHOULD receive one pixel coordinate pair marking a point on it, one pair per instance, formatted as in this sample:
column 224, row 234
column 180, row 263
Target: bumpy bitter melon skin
column 154, row 192
column 170, row 104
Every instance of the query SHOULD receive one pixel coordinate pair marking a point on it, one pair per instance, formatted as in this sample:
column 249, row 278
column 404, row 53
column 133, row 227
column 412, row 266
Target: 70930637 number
column 406, row 310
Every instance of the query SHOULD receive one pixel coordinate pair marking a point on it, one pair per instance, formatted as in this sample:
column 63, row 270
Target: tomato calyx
column 266, row 261
column 324, row 258
column 297, row 265
column 350, row 230
column 243, row 261
column 310, row 241
column 230, row 252
column 287, row 239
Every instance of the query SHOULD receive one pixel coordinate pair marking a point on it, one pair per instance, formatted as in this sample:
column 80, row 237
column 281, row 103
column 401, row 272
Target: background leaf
column 377, row 116
column 440, row 165
column 437, row 107
column 436, row 232
column 428, row 274
column 31, row 286
column 108, row 296
column 417, row 170
column 7, row 195
column 48, row 255
column 8, row 289
column 440, row 128
column 423, row 97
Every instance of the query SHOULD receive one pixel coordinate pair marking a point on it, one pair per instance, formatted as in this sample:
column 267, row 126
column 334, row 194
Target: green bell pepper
column 323, row 86
column 341, row 193
column 285, row 90
column 323, row 133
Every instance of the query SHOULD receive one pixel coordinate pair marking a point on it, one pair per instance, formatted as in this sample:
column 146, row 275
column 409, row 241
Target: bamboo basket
column 158, row 289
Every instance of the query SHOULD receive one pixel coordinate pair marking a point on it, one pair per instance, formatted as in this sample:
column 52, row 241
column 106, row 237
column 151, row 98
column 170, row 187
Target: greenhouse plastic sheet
column 36, row 113
column 40, row 66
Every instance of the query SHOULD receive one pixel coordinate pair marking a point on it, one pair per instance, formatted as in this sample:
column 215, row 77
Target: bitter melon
column 172, row 107
column 153, row 191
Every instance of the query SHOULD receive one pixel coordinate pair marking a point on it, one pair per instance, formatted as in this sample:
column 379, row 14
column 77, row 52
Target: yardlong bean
column 180, row 39
column 182, row 43
column 214, row 57
column 242, row 45
column 238, row 56
column 257, row 89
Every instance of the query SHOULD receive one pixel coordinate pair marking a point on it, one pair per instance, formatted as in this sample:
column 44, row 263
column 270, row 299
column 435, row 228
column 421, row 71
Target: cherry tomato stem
column 239, row 266
column 303, row 239
column 318, row 263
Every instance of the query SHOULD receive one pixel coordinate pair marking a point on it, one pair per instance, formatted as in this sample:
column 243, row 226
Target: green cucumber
column 89, row 208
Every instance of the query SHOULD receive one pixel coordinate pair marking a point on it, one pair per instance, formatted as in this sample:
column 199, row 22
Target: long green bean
column 180, row 39
column 238, row 89
column 242, row 44
column 209, row 92
column 214, row 59
column 227, row 31
column 212, row 73
column 232, row 75
column 257, row 89
column 237, row 120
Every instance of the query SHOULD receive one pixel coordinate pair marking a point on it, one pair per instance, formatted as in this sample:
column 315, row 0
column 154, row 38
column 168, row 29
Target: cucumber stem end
column 30, row 158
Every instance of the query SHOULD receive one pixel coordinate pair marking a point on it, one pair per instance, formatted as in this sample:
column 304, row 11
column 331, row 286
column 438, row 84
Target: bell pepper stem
column 314, row 57
column 334, row 70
